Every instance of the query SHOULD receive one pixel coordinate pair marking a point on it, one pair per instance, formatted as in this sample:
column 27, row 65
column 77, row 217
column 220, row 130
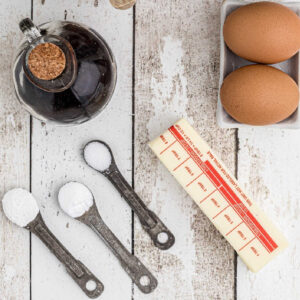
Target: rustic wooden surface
column 268, row 161
column 14, row 159
column 177, row 57
column 267, row 168
column 168, row 58
column 54, row 165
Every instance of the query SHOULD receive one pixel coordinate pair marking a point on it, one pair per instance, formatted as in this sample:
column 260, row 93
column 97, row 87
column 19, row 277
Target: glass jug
column 86, row 83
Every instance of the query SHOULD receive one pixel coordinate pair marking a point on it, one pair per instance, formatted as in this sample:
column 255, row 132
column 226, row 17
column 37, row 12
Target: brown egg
column 259, row 95
column 263, row 32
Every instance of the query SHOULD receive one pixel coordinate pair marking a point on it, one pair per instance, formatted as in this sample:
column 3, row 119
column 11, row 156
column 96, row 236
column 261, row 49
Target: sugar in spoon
column 78, row 202
column 21, row 208
column 99, row 156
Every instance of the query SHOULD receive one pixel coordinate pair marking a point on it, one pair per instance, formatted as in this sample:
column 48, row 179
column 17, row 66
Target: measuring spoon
column 20, row 201
column 99, row 156
column 78, row 202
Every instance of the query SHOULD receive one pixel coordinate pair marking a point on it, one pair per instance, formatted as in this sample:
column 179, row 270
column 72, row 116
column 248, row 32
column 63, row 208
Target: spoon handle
column 149, row 220
column 77, row 270
column 140, row 275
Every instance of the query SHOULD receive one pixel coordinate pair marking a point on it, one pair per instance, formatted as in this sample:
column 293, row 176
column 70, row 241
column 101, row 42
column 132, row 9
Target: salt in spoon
column 78, row 202
column 21, row 208
column 99, row 156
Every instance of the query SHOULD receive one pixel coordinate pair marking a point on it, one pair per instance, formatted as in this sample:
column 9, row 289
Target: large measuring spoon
column 99, row 156
column 78, row 202
column 21, row 208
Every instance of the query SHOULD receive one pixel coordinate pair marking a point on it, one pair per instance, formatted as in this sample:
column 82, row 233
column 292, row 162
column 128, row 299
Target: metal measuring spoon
column 71, row 200
column 19, row 201
column 158, row 232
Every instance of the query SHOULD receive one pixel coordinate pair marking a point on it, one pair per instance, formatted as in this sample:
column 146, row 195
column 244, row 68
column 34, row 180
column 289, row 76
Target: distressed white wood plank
column 14, row 158
column 56, row 160
column 177, row 57
column 268, row 168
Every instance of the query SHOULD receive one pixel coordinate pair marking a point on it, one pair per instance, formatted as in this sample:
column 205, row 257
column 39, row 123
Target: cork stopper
column 46, row 61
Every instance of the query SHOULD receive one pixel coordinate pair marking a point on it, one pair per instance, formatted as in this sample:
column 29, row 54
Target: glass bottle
column 86, row 84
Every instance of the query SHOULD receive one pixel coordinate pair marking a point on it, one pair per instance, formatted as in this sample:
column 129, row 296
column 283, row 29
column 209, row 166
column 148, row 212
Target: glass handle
column 31, row 31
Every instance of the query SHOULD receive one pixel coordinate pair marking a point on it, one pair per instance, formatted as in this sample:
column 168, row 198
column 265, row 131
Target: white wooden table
column 168, row 57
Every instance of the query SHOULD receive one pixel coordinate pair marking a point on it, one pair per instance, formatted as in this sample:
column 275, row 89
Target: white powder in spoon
column 97, row 156
column 20, row 207
column 75, row 199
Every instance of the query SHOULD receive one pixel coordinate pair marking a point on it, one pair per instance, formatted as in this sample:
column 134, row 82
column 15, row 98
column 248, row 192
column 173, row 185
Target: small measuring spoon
column 21, row 208
column 78, row 202
column 99, row 156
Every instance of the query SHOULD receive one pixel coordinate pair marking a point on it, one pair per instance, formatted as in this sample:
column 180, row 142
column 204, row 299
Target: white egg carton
column 230, row 62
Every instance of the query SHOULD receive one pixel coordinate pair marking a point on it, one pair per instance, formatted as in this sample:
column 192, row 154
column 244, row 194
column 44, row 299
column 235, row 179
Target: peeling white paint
column 11, row 120
column 9, row 272
column 169, row 85
column 267, row 160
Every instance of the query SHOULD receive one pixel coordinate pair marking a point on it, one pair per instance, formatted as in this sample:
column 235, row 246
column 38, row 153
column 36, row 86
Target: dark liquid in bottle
column 92, row 88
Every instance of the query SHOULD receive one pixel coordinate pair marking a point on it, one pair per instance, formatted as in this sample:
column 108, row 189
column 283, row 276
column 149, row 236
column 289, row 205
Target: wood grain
column 14, row 159
column 176, row 75
column 267, row 161
column 177, row 59
column 268, row 168
column 57, row 159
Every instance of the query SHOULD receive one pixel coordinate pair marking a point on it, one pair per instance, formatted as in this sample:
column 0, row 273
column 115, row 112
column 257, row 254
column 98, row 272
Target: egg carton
column 230, row 62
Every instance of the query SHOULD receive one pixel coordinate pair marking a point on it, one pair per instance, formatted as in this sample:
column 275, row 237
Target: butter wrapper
column 205, row 178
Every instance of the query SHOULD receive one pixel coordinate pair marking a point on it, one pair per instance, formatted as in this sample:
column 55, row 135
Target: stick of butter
column 217, row 193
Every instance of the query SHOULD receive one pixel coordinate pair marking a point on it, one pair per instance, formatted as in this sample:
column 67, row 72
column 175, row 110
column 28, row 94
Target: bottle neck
column 31, row 31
